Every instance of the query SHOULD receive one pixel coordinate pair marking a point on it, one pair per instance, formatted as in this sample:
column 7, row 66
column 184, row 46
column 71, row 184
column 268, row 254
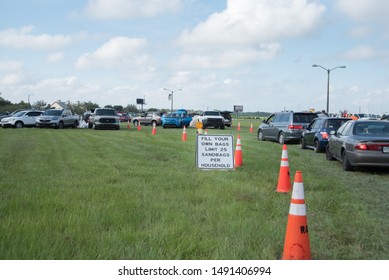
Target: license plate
column 385, row 149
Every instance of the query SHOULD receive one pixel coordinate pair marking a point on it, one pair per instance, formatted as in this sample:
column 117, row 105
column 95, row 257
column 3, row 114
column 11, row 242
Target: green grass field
column 86, row 194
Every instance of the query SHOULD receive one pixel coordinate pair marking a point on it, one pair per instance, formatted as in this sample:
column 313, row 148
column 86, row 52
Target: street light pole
column 171, row 97
column 29, row 105
column 328, row 81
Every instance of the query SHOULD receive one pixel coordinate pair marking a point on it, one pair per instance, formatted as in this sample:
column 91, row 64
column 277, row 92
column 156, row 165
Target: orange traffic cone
column 251, row 128
column 238, row 153
column 184, row 134
column 297, row 245
column 128, row 124
column 154, row 130
column 238, row 126
column 284, row 176
column 139, row 129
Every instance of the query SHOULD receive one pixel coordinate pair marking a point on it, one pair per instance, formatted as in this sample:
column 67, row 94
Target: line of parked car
column 355, row 143
column 58, row 118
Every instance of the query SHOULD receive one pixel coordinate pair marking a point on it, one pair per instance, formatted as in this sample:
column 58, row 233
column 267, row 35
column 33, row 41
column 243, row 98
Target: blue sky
column 255, row 53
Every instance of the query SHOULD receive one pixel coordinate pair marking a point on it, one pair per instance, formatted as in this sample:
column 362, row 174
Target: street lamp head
column 342, row 66
column 315, row 65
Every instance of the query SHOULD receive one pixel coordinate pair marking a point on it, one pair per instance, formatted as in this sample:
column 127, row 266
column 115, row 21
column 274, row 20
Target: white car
column 21, row 119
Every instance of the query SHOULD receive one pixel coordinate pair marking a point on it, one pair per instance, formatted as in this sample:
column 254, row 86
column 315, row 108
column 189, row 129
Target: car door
column 338, row 140
column 67, row 117
column 309, row 133
column 281, row 123
column 29, row 118
column 266, row 126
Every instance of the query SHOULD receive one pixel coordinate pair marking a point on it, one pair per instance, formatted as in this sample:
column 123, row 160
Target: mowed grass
column 128, row 194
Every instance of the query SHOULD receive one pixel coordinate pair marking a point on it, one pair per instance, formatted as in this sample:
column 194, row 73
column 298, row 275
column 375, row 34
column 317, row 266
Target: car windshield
column 371, row 129
column 105, row 112
column 52, row 113
column 212, row 113
column 303, row 118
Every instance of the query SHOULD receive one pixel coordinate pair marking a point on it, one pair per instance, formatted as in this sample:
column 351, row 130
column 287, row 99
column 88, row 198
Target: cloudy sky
column 221, row 53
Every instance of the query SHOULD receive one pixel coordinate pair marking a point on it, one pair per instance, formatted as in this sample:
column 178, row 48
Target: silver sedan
column 360, row 143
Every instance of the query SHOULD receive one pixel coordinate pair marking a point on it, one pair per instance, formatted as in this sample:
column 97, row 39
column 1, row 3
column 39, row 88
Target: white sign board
column 215, row 151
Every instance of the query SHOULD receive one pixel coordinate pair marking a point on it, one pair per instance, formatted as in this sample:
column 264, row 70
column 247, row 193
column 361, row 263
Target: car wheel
column 90, row 125
column 346, row 163
column 328, row 154
column 260, row 135
column 302, row 143
column 60, row 125
column 316, row 146
column 18, row 125
column 281, row 138
column 75, row 124
column 222, row 127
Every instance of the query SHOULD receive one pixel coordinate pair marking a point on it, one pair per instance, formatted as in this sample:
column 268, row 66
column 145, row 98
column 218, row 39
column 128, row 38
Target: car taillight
column 295, row 126
column 324, row 135
column 369, row 147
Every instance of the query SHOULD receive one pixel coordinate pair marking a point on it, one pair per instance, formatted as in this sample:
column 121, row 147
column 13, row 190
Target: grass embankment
column 128, row 194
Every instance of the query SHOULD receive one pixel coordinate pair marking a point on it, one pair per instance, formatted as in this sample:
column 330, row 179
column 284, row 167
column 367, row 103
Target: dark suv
column 286, row 126
column 318, row 131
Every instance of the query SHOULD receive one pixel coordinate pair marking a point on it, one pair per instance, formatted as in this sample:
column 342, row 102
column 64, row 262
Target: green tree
column 118, row 108
column 40, row 105
column 131, row 108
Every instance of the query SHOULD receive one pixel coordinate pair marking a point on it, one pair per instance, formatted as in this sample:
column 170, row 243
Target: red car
column 123, row 117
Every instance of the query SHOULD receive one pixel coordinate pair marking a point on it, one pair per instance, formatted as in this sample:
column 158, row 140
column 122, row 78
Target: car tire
column 222, row 127
column 260, row 135
column 60, row 125
column 346, row 163
column 281, row 138
column 328, row 154
column 316, row 146
column 90, row 125
column 75, row 124
column 302, row 144
column 18, row 125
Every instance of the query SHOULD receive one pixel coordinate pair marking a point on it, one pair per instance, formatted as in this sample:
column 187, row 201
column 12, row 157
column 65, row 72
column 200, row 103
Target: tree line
column 77, row 107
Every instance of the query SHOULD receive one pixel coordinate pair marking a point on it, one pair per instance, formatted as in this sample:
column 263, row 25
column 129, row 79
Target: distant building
column 59, row 105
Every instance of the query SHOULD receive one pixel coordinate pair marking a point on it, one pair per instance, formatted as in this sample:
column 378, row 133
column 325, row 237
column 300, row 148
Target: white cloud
column 122, row 9
column 55, row 57
column 23, row 39
column 247, row 31
column 10, row 66
column 11, row 80
column 118, row 52
column 361, row 52
column 365, row 10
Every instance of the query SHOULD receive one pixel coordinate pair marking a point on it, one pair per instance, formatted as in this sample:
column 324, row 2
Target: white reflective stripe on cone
column 284, row 154
column 298, row 190
column 297, row 209
column 284, row 163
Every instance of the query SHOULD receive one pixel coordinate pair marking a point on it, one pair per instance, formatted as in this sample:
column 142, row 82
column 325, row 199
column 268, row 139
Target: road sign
column 215, row 151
